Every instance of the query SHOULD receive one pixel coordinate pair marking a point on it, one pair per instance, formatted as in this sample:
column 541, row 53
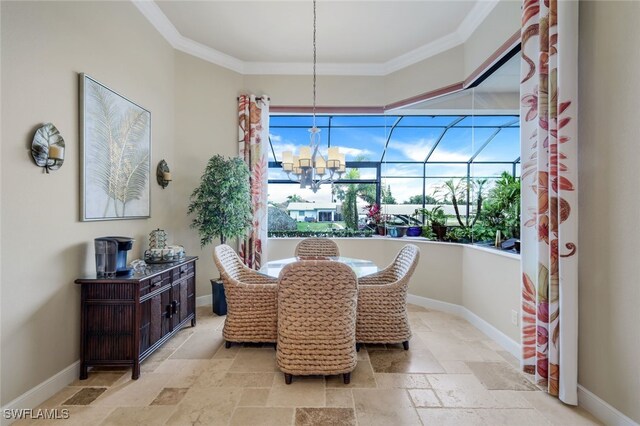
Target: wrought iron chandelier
column 310, row 167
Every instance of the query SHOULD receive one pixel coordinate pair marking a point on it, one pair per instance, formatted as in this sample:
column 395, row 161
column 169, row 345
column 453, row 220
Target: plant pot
column 381, row 230
column 439, row 231
column 218, row 298
column 397, row 231
column 414, row 231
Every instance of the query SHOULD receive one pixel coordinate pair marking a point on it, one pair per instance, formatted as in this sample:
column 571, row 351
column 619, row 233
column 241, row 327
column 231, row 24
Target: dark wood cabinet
column 123, row 320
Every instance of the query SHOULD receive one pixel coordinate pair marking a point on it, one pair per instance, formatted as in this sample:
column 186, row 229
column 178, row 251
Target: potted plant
column 221, row 206
column 438, row 221
column 414, row 229
column 374, row 215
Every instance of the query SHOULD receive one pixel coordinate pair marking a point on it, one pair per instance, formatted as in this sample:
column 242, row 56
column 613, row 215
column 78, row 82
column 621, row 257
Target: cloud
column 275, row 138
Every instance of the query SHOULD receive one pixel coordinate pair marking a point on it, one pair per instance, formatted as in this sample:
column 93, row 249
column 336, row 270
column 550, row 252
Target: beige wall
column 296, row 90
column 502, row 23
column 491, row 288
column 44, row 246
column 609, row 338
column 453, row 273
column 205, row 123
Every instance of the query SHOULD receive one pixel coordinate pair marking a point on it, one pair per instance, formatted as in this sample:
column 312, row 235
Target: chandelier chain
column 314, row 63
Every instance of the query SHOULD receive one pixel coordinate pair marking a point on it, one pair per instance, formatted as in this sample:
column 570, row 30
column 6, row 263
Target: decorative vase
column 440, row 232
column 397, row 231
column 414, row 231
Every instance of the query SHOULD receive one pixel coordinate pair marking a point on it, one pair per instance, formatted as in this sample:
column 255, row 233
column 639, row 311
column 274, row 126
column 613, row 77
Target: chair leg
column 227, row 344
column 358, row 346
column 287, row 378
column 347, row 378
column 275, row 346
column 405, row 345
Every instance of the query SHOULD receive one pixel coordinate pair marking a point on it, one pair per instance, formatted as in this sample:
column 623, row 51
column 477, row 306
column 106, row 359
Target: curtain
column 549, row 153
column 253, row 141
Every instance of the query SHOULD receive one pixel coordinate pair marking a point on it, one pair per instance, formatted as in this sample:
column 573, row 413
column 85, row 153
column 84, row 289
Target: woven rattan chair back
column 251, row 300
column 317, row 319
column 317, row 247
column 382, row 301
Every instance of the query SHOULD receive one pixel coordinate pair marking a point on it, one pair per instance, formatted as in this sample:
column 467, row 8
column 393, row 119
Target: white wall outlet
column 514, row 317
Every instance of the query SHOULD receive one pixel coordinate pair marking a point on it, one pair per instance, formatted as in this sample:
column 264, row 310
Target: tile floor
column 452, row 375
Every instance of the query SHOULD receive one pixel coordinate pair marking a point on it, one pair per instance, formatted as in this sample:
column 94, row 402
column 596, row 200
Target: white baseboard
column 425, row 302
column 203, row 300
column 502, row 339
column 45, row 390
column 601, row 409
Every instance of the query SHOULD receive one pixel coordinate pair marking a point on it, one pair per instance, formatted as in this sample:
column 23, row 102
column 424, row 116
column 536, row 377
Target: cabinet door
column 154, row 318
column 180, row 301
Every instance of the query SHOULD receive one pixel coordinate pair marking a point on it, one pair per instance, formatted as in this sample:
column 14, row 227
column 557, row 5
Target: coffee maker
column 111, row 256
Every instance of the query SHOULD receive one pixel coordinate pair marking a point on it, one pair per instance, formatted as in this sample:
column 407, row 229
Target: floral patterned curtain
column 549, row 144
column 253, row 114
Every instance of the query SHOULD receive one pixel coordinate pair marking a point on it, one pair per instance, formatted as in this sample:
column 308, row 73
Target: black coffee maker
column 111, row 256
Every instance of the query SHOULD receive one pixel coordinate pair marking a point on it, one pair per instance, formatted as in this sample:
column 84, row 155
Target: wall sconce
column 47, row 147
column 163, row 174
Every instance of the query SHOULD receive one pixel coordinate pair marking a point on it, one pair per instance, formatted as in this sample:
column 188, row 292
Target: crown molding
column 163, row 25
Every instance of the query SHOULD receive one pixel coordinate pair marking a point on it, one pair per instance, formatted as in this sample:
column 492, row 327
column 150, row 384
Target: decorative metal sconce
column 163, row 174
column 47, row 147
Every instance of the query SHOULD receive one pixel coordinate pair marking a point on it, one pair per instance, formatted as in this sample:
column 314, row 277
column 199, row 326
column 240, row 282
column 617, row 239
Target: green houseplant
column 438, row 220
column 221, row 204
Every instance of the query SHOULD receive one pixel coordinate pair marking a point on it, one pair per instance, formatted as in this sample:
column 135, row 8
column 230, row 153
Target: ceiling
column 353, row 37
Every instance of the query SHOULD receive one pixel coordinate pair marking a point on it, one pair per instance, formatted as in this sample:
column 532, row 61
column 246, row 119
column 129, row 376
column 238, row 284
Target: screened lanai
column 406, row 157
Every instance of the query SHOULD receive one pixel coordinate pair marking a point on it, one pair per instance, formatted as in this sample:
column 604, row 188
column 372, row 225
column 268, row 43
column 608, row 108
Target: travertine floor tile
column 139, row 416
column 184, row 372
column 400, row 361
column 443, row 379
column 200, row 345
column 100, row 378
column 339, row 398
column 500, row 376
column 446, row 347
column 461, row 391
column 361, row 377
column 325, row 416
column 402, row 381
column 384, row 407
column 424, row 398
column 85, row 396
column 558, row 413
column 251, row 360
column 134, row 393
column 304, row 391
column 212, row 406
column 481, row 417
column 254, row 397
column 170, row 396
column 263, row 416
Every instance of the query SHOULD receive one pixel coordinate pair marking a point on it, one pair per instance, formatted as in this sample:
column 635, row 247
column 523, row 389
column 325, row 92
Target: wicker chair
column 317, row 319
column 251, row 300
column 310, row 247
column 382, row 301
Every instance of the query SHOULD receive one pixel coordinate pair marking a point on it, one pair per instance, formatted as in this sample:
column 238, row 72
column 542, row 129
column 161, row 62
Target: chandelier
column 310, row 167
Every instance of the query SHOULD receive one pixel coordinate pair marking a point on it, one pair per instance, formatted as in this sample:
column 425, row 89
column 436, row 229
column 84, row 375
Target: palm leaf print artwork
column 116, row 155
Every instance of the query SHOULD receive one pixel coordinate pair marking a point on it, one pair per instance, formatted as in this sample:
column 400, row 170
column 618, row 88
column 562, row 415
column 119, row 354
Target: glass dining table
column 361, row 267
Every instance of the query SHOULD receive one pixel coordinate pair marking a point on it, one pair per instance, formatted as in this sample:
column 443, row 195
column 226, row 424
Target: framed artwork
column 115, row 153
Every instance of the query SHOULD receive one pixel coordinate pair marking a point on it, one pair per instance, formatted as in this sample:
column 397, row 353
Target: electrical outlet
column 514, row 317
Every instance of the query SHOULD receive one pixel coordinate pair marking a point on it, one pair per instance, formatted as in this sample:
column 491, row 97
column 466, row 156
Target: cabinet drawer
column 154, row 283
column 182, row 271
